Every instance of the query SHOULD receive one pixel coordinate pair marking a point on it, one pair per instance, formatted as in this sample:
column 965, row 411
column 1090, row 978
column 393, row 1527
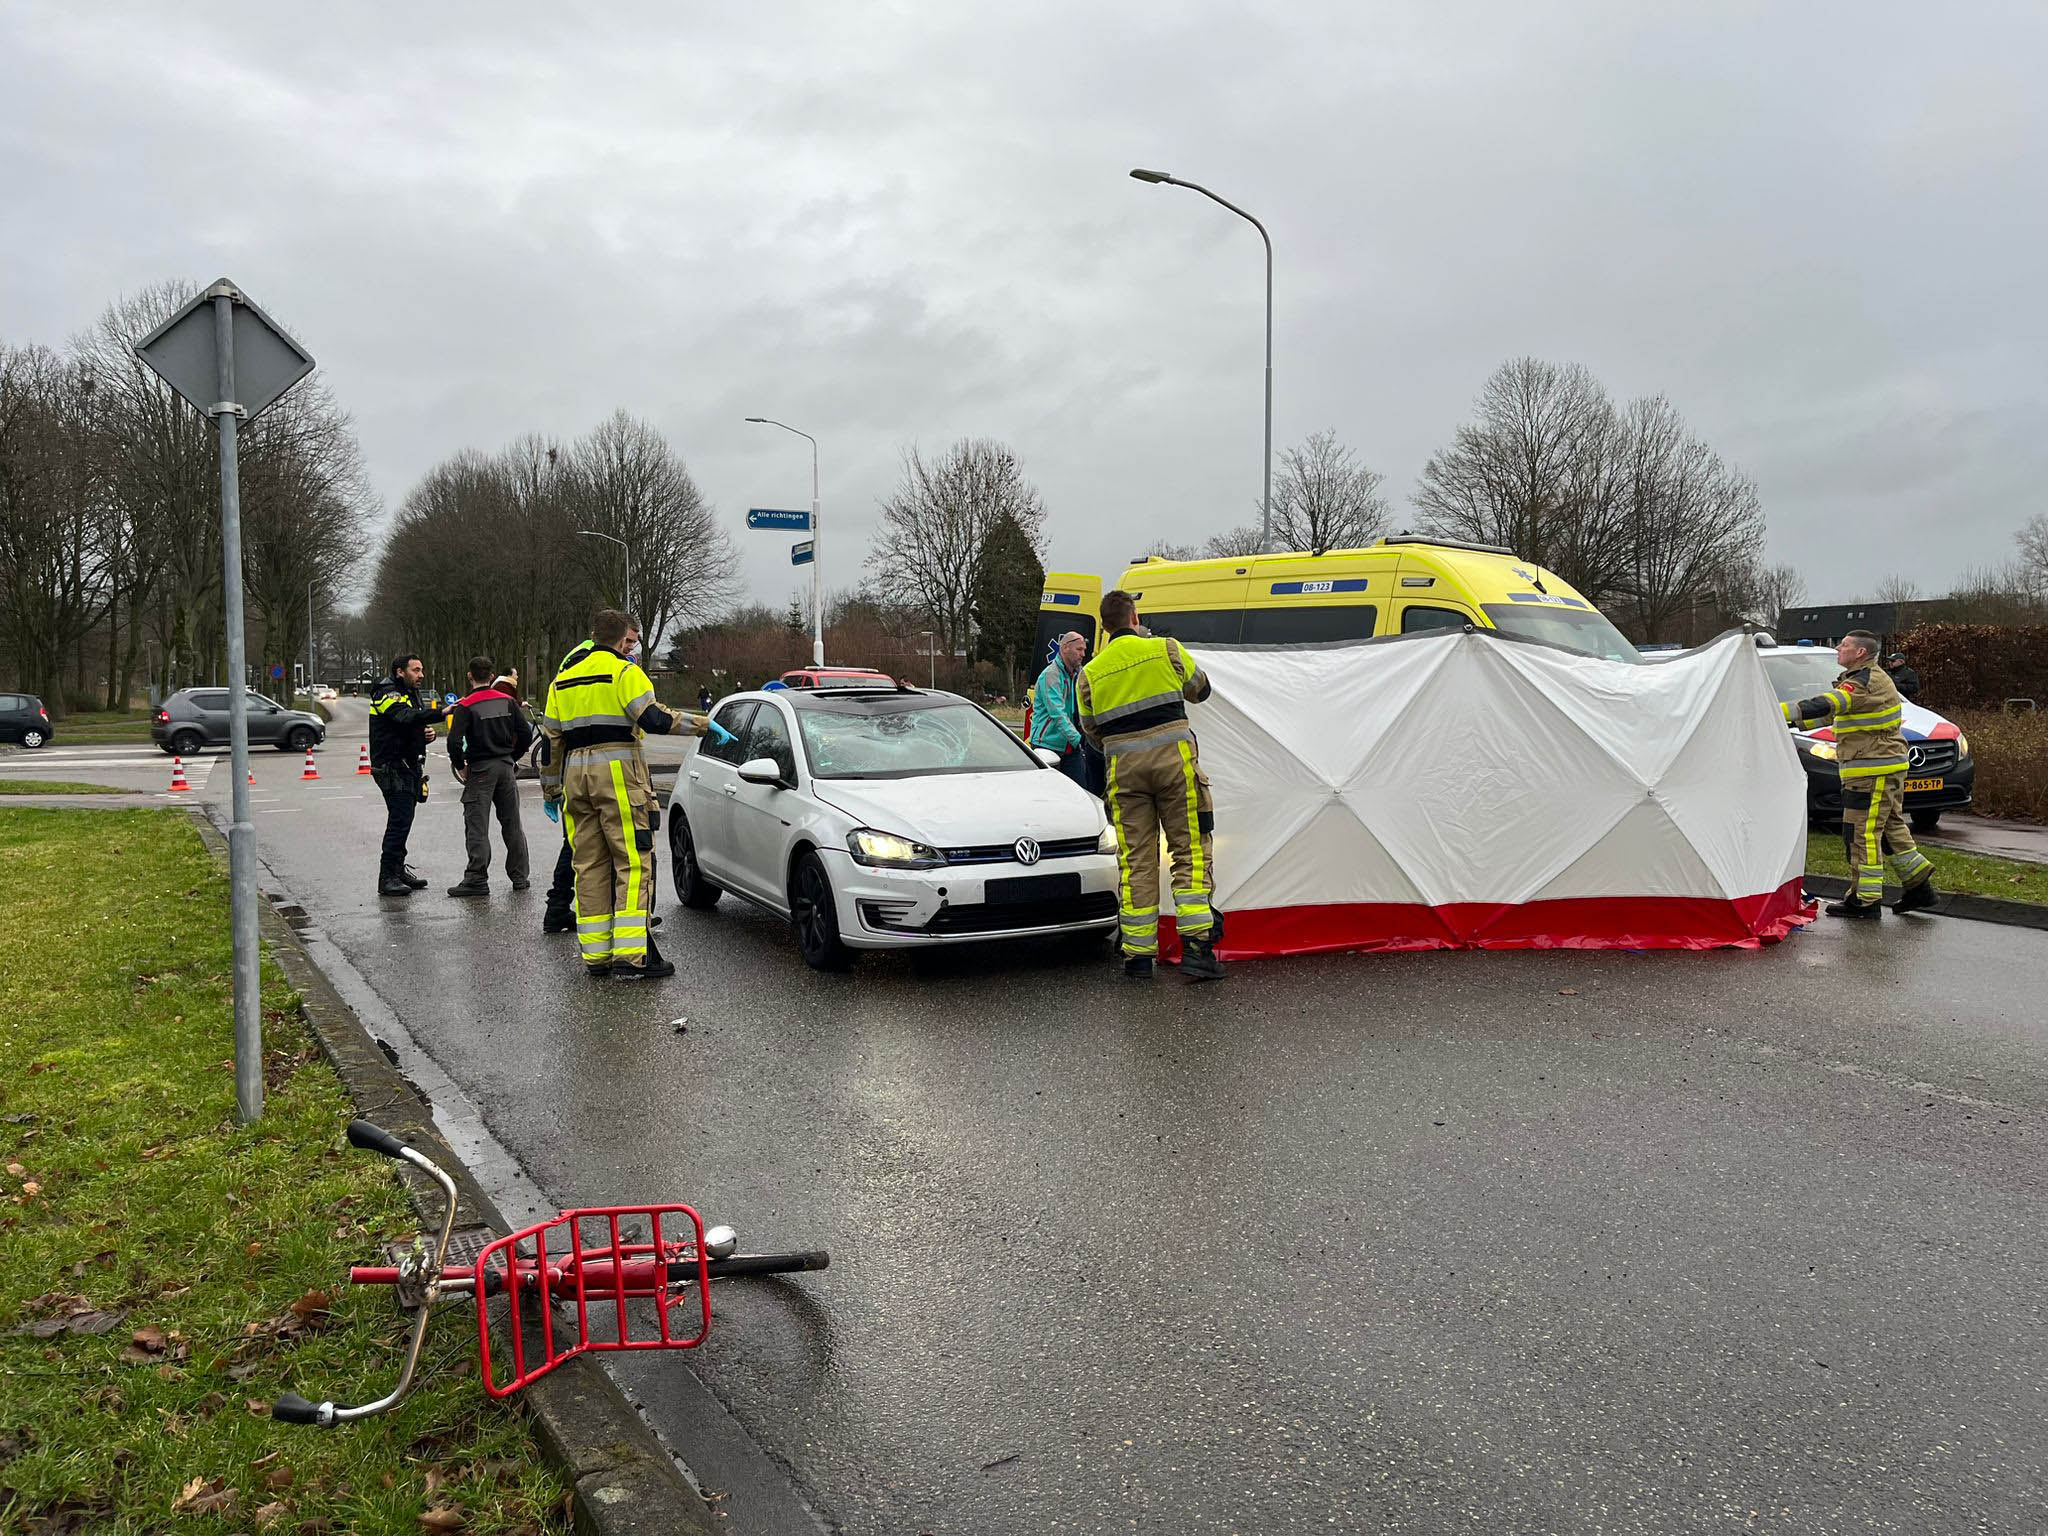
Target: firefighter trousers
column 1155, row 791
column 1875, row 835
column 607, row 806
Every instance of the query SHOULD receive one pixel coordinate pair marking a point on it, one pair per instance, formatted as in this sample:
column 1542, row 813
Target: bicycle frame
column 548, row 1265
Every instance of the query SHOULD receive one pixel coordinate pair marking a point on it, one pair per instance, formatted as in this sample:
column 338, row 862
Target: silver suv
column 198, row 717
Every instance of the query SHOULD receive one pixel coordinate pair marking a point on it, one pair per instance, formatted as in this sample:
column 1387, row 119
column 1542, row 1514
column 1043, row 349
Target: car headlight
column 1106, row 843
column 885, row 850
column 1962, row 745
column 1824, row 750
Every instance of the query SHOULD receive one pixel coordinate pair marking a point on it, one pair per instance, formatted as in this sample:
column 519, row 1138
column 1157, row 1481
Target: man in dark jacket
column 487, row 736
column 1904, row 678
column 401, row 725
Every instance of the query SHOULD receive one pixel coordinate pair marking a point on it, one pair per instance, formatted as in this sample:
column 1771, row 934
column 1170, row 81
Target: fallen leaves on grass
column 445, row 1517
column 269, row 1514
column 203, row 1496
column 56, row 1312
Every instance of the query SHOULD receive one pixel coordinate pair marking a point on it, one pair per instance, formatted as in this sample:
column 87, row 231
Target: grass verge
column 1976, row 874
column 86, row 727
column 56, row 787
column 170, row 1272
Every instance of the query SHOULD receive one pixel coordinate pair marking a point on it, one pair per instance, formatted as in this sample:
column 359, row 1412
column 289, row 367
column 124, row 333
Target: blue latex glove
column 717, row 732
column 553, row 808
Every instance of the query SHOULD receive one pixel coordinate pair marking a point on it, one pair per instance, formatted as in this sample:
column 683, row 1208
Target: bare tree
column 1324, row 499
column 1897, row 589
column 935, row 523
column 1535, row 473
column 53, row 488
column 1234, row 541
column 2033, row 558
column 1691, row 527
column 629, row 483
column 1778, row 587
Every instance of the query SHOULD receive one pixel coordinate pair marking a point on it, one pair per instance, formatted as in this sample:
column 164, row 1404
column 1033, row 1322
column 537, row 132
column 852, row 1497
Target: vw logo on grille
column 1917, row 756
column 1027, row 850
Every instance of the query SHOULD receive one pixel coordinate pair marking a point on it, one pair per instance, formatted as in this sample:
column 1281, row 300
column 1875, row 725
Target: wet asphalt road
column 1520, row 1242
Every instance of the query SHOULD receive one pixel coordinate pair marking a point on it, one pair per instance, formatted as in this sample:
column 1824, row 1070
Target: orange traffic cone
column 252, row 778
column 363, row 762
column 311, row 772
column 178, row 784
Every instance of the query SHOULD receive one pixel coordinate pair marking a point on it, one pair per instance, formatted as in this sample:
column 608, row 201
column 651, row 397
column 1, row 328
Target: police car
column 1940, row 774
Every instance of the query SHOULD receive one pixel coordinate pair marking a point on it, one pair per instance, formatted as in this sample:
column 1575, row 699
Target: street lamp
column 817, row 552
column 931, row 655
column 1159, row 178
column 592, row 533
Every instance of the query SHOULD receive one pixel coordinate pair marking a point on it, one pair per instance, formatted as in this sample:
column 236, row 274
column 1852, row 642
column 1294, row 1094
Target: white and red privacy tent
column 1459, row 789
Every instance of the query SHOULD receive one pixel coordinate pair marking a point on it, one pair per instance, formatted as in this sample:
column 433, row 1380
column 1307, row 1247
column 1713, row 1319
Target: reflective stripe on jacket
column 1135, row 692
column 399, row 718
column 599, row 700
column 1866, row 712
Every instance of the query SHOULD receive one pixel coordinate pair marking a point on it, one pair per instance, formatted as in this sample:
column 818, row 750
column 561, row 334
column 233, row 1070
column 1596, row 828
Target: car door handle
column 733, row 790
column 695, row 774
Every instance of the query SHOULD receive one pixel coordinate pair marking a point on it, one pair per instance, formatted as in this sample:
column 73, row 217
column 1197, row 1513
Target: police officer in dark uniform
column 401, row 725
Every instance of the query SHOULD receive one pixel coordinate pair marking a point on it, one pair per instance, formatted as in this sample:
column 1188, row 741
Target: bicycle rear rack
column 624, row 1286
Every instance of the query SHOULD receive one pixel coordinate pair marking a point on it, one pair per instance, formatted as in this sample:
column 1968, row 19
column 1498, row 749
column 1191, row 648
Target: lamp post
column 817, row 542
column 932, row 656
column 1266, row 504
column 592, row 533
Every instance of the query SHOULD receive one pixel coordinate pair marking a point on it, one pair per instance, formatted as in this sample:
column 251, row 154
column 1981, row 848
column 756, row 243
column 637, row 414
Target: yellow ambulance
column 1404, row 583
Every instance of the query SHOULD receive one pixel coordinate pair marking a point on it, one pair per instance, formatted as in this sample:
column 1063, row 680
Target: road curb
column 1980, row 909
column 624, row 1483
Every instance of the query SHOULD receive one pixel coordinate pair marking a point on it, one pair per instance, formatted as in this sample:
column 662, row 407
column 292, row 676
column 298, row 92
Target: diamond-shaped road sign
column 267, row 361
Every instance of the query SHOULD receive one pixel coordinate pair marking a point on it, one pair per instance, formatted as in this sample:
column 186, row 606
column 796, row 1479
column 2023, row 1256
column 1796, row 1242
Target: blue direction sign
column 801, row 554
column 768, row 517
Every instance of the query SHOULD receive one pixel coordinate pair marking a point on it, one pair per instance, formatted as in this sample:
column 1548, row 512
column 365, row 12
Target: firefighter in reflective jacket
column 1865, row 710
column 1134, row 696
column 597, row 774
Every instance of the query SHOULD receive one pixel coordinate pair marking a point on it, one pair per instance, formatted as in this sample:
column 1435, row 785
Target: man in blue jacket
column 1056, row 710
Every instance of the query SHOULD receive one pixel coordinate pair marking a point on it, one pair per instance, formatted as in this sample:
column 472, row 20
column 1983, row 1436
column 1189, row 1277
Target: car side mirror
column 1047, row 756
column 762, row 770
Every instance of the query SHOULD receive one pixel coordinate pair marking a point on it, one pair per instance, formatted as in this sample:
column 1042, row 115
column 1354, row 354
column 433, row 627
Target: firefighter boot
column 1198, row 961
column 1138, row 967
column 1850, row 907
column 1916, row 898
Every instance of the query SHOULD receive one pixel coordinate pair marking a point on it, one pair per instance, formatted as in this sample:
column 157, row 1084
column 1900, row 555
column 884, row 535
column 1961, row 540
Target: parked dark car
column 23, row 719
column 193, row 718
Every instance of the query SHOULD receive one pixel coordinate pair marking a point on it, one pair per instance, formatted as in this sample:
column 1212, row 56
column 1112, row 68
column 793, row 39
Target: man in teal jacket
column 1056, row 711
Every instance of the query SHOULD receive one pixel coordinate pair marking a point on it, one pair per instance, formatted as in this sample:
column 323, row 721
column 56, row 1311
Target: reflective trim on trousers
column 1871, row 770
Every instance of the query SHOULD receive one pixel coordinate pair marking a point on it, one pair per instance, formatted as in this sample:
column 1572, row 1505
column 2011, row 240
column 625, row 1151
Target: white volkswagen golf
column 880, row 818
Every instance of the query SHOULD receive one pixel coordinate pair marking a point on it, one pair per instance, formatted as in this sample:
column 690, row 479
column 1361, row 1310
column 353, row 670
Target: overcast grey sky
column 1819, row 228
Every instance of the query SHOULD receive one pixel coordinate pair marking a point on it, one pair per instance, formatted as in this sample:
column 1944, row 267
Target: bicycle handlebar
column 290, row 1408
column 374, row 1138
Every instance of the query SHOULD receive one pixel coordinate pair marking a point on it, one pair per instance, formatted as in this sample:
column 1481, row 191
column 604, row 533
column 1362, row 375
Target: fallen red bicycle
column 638, row 1277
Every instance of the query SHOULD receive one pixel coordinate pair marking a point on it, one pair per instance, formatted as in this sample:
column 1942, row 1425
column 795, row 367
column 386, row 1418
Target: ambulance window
column 1309, row 626
column 734, row 718
column 1415, row 617
column 1196, row 626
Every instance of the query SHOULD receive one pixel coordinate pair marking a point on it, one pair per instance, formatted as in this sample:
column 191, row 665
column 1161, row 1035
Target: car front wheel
column 692, row 889
column 300, row 740
column 814, row 915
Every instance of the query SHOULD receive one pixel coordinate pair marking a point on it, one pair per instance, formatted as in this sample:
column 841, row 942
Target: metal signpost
column 810, row 526
column 231, row 361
